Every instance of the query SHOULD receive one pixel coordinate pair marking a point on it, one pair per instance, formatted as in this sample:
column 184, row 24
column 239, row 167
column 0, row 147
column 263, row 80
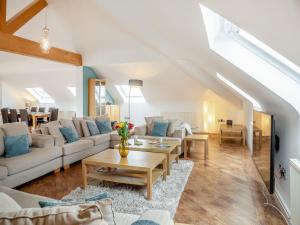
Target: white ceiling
column 162, row 42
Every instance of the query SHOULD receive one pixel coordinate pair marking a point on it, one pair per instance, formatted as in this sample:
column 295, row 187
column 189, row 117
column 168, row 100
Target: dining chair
column 24, row 117
column 42, row 109
column 53, row 114
column 4, row 113
column 33, row 109
column 13, row 116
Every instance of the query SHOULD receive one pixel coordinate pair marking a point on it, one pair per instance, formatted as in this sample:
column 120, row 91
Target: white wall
column 218, row 107
column 54, row 82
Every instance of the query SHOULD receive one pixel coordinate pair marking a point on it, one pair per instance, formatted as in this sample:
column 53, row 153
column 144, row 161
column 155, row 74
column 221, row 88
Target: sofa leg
column 57, row 171
column 66, row 167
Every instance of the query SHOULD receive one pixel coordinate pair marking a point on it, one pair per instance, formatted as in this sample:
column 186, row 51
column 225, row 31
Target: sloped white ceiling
column 164, row 41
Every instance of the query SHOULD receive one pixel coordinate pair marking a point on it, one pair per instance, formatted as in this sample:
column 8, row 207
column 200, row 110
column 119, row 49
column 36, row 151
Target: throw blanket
column 185, row 126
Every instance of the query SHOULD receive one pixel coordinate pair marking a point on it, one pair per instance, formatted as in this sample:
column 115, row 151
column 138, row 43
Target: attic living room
column 149, row 112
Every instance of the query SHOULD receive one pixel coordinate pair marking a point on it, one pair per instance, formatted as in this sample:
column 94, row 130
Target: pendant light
column 45, row 43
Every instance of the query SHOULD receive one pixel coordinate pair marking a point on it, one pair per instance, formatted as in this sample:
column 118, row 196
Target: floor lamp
column 133, row 84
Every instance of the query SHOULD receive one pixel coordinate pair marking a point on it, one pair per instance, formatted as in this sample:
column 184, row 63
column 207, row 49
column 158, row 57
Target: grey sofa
column 177, row 134
column 26, row 200
column 84, row 147
column 43, row 158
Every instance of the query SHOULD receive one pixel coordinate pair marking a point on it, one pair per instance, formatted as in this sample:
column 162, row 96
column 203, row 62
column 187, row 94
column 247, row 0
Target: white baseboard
column 283, row 206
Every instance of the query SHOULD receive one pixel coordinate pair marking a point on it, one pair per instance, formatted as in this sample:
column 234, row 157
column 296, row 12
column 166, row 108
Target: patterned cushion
column 93, row 127
column 104, row 126
column 69, row 134
column 160, row 128
column 16, row 145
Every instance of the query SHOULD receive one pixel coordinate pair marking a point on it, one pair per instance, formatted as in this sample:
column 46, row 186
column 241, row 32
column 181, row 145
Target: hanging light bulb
column 45, row 43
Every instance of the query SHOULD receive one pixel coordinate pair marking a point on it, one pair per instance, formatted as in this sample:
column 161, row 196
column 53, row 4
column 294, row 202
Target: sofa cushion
column 104, row 126
column 69, row 134
column 93, row 127
column 35, row 157
column 3, row 172
column 54, row 131
column 173, row 125
column 160, row 128
column 90, row 214
column 149, row 122
column 16, row 145
column 14, row 129
column 1, row 142
column 78, row 127
column 68, row 123
column 77, row 146
column 44, row 126
column 114, row 136
column 85, row 129
column 99, row 139
column 8, row 204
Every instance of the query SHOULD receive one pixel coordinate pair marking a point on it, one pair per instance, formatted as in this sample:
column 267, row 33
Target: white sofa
column 26, row 200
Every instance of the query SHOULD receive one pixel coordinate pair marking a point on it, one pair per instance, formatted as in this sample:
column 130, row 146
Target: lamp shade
column 135, row 83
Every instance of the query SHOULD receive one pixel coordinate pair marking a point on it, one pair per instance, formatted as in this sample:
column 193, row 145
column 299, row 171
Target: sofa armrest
column 42, row 141
column 162, row 217
column 140, row 130
column 180, row 133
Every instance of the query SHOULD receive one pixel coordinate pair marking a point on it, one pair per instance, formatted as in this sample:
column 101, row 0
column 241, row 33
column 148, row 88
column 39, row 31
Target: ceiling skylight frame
column 261, row 50
column 136, row 95
column 41, row 95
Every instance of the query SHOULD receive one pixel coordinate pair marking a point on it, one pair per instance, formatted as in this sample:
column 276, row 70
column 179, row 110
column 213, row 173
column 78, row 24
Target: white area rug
column 131, row 199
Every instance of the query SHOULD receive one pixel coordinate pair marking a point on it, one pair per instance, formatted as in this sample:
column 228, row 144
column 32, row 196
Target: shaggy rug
column 131, row 199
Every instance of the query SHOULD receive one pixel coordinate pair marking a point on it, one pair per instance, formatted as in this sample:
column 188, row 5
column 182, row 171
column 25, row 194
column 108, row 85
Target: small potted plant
column 123, row 129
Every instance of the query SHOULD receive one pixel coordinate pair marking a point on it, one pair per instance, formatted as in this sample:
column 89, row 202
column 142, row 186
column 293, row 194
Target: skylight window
column 263, row 51
column 136, row 95
column 41, row 95
column 72, row 90
column 256, row 105
column 252, row 56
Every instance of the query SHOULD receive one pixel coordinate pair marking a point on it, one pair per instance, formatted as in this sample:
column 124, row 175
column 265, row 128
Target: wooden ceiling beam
column 22, row 46
column 22, row 17
column 2, row 13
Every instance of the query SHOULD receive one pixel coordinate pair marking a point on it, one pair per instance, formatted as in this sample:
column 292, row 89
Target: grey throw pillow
column 149, row 122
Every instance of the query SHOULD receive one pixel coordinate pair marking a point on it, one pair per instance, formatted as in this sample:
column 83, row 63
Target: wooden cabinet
column 113, row 112
column 97, row 94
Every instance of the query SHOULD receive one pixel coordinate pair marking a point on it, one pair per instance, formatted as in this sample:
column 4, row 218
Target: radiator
column 295, row 191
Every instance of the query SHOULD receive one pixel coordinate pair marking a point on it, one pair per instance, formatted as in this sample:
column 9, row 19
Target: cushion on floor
column 35, row 157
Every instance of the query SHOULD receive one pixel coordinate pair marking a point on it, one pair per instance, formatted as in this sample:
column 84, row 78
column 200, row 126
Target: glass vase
column 123, row 148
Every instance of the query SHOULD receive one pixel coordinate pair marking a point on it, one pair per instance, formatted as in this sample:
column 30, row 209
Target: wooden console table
column 235, row 132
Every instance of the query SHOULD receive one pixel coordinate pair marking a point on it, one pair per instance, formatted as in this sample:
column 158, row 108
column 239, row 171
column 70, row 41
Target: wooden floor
column 224, row 190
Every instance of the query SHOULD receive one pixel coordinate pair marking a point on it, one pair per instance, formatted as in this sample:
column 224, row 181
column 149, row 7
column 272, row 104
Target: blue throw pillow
column 104, row 126
column 16, row 145
column 92, row 127
column 160, row 128
column 52, row 203
column 69, row 134
column 144, row 222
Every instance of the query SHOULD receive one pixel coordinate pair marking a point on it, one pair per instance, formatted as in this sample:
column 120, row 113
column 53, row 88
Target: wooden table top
column 151, row 146
column 196, row 137
column 135, row 160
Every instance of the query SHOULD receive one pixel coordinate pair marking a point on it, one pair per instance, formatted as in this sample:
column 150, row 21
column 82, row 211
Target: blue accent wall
column 88, row 73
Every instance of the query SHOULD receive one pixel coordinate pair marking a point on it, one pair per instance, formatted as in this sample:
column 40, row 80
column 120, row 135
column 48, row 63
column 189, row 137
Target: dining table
column 38, row 115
